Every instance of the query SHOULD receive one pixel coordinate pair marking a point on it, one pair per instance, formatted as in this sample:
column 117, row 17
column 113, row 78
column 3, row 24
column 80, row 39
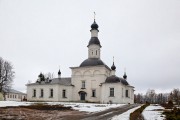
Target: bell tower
column 94, row 43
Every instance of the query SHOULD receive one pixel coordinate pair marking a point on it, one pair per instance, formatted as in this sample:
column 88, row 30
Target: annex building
column 91, row 81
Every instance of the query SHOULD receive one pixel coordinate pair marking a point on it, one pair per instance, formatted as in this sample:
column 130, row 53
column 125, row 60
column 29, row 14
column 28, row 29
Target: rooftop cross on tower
column 94, row 16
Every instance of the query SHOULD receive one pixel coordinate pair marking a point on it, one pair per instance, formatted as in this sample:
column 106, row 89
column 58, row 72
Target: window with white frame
column 127, row 93
column 51, row 93
column 34, row 92
column 94, row 93
column 83, row 84
column 64, row 93
column 111, row 92
column 41, row 93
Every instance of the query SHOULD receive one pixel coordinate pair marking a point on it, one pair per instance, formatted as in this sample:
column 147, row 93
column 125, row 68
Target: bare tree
column 6, row 75
column 176, row 95
column 138, row 98
column 150, row 95
column 49, row 75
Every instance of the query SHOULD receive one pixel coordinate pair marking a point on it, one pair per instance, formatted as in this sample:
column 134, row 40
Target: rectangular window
column 111, row 92
column 93, row 93
column 64, row 93
column 51, row 93
column 34, row 93
column 42, row 93
column 127, row 93
column 83, row 84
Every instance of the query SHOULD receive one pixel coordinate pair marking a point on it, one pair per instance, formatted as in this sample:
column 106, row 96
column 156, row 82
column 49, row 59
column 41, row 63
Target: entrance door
column 82, row 96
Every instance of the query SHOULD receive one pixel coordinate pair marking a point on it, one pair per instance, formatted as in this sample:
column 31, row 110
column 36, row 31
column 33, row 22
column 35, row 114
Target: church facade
column 92, row 81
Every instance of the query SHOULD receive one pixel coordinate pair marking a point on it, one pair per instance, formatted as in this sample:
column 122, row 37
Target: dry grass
column 136, row 115
column 37, row 112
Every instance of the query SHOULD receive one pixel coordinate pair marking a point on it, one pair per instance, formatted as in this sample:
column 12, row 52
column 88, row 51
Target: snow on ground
column 125, row 115
column 13, row 103
column 87, row 107
column 153, row 112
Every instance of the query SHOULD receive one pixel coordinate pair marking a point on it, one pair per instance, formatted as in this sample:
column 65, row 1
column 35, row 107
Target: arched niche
column 96, row 72
column 87, row 73
column 77, row 73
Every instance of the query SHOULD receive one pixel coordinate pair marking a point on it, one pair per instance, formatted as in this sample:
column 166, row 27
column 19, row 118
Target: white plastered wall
column 94, row 51
column 93, row 77
column 119, row 93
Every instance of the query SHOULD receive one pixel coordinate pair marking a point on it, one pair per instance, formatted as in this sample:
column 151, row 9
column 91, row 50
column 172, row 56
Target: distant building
column 91, row 81
column 14, row 95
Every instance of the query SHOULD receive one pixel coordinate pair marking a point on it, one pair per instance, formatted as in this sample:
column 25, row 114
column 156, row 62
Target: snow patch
column 125, row 115
column 153, row 112
column 13, row 103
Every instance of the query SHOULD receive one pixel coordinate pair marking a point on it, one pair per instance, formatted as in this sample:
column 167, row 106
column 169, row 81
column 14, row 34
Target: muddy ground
column 57, row 112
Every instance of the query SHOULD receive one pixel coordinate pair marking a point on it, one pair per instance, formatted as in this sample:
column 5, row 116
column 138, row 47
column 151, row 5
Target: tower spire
column 94, row 43
column 94, row 16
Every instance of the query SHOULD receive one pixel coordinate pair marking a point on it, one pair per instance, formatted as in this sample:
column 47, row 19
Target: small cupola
column 94, row 26
column 125, row 76
column 113, row 68
column 59, row 74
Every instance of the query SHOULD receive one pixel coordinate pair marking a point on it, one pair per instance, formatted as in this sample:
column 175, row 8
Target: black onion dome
column 113, row 67
column 92, row 62
column 94, row 26
column 59, row 72
column 94, row 40
column 125, row 76
column 115, row 79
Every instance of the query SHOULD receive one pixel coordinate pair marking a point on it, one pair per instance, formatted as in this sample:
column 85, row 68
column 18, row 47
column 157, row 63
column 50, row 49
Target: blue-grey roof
column 115, row 79
column 94, row 40
column 60, row 81
column 92, row 62
column 12, row 91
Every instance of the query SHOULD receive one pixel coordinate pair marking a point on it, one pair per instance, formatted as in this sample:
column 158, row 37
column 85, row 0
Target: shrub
column 169, row 105
column 174, row 114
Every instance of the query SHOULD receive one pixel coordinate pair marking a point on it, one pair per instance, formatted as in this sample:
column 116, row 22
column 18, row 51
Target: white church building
column 91, row 81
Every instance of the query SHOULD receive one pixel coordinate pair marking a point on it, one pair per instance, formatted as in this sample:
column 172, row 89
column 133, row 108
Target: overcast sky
column 143, row 36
